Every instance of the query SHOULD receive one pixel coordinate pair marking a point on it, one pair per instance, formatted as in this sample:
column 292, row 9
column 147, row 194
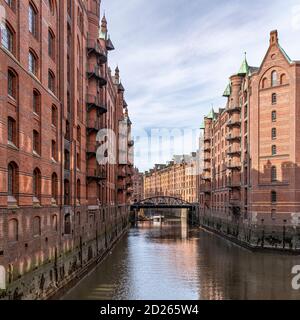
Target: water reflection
column 169, row 261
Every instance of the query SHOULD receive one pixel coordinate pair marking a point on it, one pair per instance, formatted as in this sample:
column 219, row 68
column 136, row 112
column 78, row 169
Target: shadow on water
column 169, row 261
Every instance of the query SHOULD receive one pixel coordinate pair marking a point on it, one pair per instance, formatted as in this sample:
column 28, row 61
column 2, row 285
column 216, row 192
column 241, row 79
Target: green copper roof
column 211, row 115
column 227, row 91
column 202, row 127
column 244, row 69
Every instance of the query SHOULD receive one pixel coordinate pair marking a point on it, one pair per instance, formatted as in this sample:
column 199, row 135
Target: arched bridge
column 162, row 202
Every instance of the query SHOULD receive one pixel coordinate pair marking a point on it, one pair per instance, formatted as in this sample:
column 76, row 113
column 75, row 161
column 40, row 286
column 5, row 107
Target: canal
column 171, row 262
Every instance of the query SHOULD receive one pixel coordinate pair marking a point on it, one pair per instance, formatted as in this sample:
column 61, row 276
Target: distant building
column 177, row 178
column 138, row 186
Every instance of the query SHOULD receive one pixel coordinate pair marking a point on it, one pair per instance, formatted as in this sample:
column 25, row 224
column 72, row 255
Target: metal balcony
column 93, row 126
column 234, row 166
column 94, row 101
column 96, row 174
column 207, row 138
column 94, row 72
column 206, row 178
column 233, row 185
column 235, row 152
column 233, row 123
column 94, row 48
column 233, row 138
column 207, row 169
column 91, row 150
column 234, row 109
column 207, row 159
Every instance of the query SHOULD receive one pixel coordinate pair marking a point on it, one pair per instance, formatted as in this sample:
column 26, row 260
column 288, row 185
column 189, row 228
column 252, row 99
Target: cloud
column 176, row 56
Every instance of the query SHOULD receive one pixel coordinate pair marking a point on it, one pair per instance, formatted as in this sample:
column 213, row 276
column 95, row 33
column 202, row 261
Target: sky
column 176, row 57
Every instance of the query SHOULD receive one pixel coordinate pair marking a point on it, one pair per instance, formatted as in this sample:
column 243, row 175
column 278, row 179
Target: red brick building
column 138, row 186
column 251, row 147
column 59, row 209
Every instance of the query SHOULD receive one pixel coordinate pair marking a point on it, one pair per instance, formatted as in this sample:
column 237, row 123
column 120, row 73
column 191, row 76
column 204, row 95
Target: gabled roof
column 211, row 115
column 285, row 54
column 120, row 87
column 202, row 127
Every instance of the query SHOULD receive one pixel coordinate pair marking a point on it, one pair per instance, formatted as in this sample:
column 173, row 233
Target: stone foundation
column 267, row 237
column 51, row 272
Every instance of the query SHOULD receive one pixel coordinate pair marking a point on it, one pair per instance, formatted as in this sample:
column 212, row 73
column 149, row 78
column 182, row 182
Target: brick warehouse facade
column 251, row 177
column 176, row 179
column 60, row 211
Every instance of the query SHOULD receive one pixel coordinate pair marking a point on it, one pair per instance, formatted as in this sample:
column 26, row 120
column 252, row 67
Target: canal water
column 169, row 261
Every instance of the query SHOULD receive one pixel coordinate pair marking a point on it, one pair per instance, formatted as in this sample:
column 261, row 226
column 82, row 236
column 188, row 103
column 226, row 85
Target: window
column 11, row 4
column 32, row 20
column 36, row 142
column 36, row 102
column 264, row 83
column 11, row 84
column 274, row 78
column 54, row 115
column 67, row 192
column 67, row 160
column 51, row 81
column 274, row 98
column 36, row 226
column 7, row 39
column 274, row 150
column 11, row 128
column 54, row 222
column 12, row 185
column 53, row 150
column 273, row 196
column 32, row 63
column 78, row 161
column 274, row 133
column 274, row 116
column 283, row 79
column 13, row 232
column 51, row 44
column 54, row 182
column 273, row 174
column 67, row 135
column 36, row 184
column 79, row 134
column 67, row 227
column 78, row 190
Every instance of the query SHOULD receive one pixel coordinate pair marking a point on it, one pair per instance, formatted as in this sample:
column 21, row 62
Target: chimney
column 273, row 37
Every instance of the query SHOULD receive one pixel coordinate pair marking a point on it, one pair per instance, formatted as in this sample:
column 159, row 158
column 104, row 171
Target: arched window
column 11, row 131
column 273, row 174
column 274, row 116
column 54, row 222
column 36, row 142
column 53, row 150
column 67, row 192
column 36, row 183
column 54, row 115
column 79, row 134
column 274, row 78
column 12, row 180
column 264, row 83
column 54, row 185
column 51, row 44
column 51, row 81
column 13, row 230
column 274, row 150
column 67, row 135
column 67, row 160
column 36, row 226
column 7, row 37
column 32, row 63
column 283, row 79
column 32, row 20
column 12, row 84
column 274, row 98
column 36, row 102
column 67, row 224
column 273, row 196
column 78, row 191
column 274, row 133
